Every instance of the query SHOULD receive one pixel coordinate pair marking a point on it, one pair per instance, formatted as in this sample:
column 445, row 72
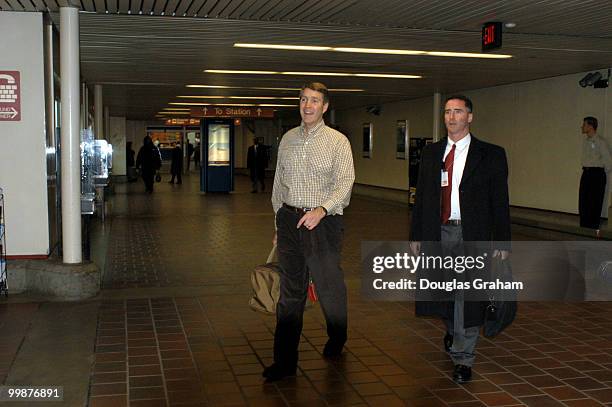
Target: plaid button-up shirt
column 314, row 168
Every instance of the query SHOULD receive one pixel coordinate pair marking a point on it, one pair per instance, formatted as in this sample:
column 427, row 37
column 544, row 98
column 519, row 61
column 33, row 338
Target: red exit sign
column 491, row 35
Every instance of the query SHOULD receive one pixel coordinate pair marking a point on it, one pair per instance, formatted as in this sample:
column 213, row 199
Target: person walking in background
column 189, row 153
column 130, row 161
column 196, row 156
column 257, row 162
column 312, row 186
column 149, row 161
column 596, row 162
column 176, row 167
column 461, row 196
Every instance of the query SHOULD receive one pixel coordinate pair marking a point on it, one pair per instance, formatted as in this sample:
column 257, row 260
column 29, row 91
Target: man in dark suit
column 462, row 196
column 257, row 161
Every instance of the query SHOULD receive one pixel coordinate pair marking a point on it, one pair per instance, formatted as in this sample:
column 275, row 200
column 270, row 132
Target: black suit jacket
column 257, row 161
column 485, row 212
column 483, row 194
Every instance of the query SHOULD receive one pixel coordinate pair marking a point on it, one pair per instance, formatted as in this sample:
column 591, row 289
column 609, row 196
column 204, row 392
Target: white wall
column 383, row 169
column 23, row 173
column 117, row 137
column 135, row 132
column 537, row 122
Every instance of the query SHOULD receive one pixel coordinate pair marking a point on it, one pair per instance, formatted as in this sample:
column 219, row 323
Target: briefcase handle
column 271, row 255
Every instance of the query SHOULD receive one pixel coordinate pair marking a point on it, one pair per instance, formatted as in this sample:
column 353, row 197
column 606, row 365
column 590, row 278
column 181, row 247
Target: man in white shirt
column 462, row 196
column 596, row 162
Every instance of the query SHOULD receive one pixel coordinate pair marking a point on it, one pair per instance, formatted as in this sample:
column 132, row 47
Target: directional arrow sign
column 231, row 111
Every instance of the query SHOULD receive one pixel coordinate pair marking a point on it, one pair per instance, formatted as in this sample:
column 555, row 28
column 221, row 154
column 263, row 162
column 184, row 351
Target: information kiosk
column 217, row 152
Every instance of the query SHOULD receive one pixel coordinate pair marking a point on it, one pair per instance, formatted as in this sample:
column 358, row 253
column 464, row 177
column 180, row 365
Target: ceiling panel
column 145, row 61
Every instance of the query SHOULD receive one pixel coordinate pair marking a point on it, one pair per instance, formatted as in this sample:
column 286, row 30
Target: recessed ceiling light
column 212, row 86
column 267, row 88
column 377, row 75
column 510, row 25
column 235, row 97
column 280, row 46
column 380, row 75
column 240, row 72
column 379, row 51
column 228, row 104
column 316, row 73
column 467, row 55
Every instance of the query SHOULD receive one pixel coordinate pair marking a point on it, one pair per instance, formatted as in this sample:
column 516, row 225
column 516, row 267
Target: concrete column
column 71, row 138
column 99, row 112
column 437, row 108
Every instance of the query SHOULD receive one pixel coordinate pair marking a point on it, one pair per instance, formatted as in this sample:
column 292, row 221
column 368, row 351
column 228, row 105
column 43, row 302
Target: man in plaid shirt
column 312, row 186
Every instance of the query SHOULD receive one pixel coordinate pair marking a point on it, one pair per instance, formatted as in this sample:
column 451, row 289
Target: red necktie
column 446, row 191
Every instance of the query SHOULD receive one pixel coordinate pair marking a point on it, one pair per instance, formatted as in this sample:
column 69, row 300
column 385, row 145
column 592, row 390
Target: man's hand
column 415, row 247
column 274, row 239
column 312, row 218
column 503, row 253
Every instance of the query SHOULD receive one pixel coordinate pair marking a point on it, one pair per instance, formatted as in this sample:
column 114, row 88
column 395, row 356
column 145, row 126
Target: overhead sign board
column 10, row 96
column 182, row 122
column 231, row 111
column 491, row 35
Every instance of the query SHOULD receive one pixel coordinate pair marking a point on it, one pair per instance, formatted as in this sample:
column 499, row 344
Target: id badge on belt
column 444, row 178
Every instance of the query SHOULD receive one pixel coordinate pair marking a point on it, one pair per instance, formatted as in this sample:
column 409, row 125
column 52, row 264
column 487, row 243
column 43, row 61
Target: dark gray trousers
column 464, row 339
column 303, row 252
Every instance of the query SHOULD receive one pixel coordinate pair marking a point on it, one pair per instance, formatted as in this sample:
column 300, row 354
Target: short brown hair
column 468, row 102
column 591, row 121
column 318, row 87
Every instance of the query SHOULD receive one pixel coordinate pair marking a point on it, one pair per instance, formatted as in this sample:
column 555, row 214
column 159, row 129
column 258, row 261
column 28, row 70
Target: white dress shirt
column 461, row 152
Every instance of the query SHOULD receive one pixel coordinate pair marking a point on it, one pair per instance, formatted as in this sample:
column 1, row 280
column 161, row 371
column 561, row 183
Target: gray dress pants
column 464, row 339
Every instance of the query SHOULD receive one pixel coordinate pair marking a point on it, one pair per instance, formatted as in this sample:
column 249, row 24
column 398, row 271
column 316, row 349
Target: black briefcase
column 501, row 311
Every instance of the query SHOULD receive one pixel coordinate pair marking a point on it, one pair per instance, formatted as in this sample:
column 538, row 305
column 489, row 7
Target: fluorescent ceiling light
column 164, row 113
column 267, row 88
column 383, row 75
column 467, row 55
column 228, row 104
column 380, row 51
column 212, row 86
column 240, row 72
column 236, row 97
column 175, row 109
column 280, row 46
column 291, row 89
column 263, row 97
column 377, row 75
column 317, row 73
column 377, row 51
column 275, row 105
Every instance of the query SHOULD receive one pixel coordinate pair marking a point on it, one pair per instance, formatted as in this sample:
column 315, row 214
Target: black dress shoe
column 332, row 350
column 462, row 374
column 277, row 372
column 448, row 342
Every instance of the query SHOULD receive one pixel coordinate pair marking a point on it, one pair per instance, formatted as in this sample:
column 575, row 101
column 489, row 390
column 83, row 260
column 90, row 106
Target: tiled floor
column 174, row 327
column 14, row 322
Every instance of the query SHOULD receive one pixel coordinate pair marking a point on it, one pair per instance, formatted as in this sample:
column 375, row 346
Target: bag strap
column 271, row 255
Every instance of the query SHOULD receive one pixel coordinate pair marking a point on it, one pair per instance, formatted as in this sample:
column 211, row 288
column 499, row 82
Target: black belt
column 593, row 168
column 299, row 211
column 453, row 222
